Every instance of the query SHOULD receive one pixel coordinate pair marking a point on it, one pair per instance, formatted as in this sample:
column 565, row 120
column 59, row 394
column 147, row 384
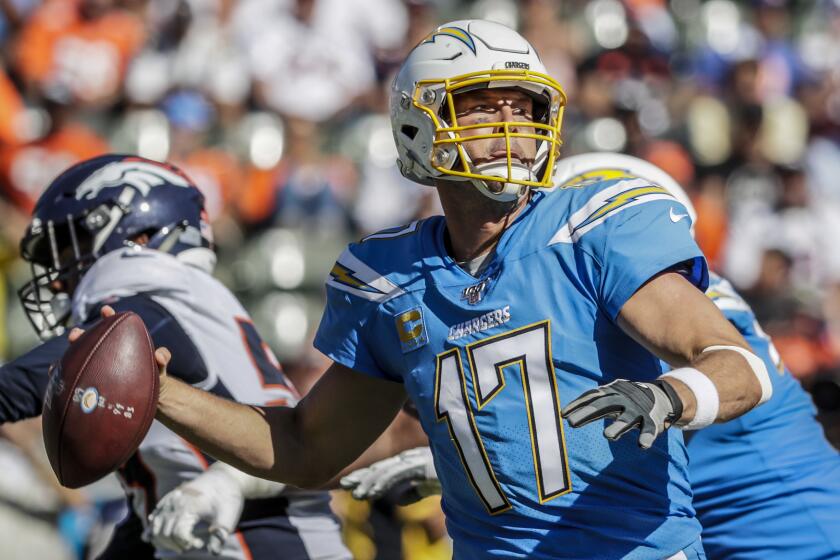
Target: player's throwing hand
column 162, row 354
column 650, row 407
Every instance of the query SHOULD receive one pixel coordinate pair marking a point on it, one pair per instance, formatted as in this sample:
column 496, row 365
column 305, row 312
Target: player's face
column 68, row 257
column 496, row 106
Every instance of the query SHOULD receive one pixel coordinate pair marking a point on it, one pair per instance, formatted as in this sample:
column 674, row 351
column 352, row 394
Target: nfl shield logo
column 474, row 293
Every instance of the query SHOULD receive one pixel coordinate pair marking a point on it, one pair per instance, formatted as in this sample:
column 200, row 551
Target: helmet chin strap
column 508, row 191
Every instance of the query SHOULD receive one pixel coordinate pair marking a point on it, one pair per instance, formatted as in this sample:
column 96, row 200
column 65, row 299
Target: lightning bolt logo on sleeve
column 607, row 203
column 344, row 275
column 351, row 275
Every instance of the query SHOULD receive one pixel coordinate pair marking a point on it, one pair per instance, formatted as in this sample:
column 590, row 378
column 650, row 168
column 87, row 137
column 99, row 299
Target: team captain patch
column 411, row 329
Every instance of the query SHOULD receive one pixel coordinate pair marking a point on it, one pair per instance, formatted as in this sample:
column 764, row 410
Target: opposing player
column 493, row 315
column 766, row 485
column 132, row 233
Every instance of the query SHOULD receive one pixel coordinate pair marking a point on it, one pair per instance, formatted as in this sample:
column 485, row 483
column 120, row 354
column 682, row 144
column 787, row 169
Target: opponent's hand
column 650, row 407
column 201, row 513
column 412, row 471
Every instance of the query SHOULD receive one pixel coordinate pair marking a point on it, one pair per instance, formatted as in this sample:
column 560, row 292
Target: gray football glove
column 650, row 407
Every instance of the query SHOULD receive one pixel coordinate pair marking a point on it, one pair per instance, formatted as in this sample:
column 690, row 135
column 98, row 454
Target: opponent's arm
column 304, row 446
column 23, row 381
column 718, row 377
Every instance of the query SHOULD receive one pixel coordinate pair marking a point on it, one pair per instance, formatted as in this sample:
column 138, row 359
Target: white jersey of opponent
column 225, row 337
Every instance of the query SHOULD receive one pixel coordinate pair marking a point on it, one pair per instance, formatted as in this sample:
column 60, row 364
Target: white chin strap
column 502, row 191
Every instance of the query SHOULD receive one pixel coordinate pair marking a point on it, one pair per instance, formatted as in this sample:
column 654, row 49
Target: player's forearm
column 738, row 388
column 717, row 377
column 237, row 434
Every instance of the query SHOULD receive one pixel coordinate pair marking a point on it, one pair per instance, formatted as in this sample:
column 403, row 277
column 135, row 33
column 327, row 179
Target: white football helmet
column 462, row 56
column 600, row 166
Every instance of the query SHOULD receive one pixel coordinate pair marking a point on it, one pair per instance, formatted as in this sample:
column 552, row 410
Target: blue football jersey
column 766, row 484
column 489, row 361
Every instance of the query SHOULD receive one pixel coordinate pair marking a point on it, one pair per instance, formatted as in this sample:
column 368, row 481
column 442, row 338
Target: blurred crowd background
column 278, row 110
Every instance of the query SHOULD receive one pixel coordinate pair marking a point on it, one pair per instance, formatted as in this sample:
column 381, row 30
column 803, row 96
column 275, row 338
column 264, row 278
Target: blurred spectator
column 194, row 47
column 278, row 110
column 26, row 169
column 790, row 221
column 14, row 125
column 78, row 50
column 308, row 189
column 215, row 172
column 312, row 60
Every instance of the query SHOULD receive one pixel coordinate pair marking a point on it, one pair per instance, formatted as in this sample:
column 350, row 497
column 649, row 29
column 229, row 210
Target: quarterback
column 516, row 304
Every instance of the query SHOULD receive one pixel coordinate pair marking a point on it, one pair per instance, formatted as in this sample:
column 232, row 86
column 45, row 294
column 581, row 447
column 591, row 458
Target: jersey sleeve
column 633, row 235
column 23, row 381
column 344, row 334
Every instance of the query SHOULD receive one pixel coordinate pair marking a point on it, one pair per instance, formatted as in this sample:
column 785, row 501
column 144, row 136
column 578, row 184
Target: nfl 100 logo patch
column 474, row 293
column 411, row 329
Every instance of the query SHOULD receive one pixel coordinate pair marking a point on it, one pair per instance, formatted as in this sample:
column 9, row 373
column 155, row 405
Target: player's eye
column 522, row 112
column 483, row 109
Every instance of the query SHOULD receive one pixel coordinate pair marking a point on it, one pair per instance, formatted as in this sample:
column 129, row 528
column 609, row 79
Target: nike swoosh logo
column 676, row 217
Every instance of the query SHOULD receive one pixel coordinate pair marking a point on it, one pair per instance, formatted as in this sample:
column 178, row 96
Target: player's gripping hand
column 412, row 472
column 650, row 407
column 199, row 514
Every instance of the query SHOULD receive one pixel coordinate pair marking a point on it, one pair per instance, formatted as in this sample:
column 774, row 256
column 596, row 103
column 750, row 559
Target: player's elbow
column 312, row 480
column 305, row 474
column 296, row 456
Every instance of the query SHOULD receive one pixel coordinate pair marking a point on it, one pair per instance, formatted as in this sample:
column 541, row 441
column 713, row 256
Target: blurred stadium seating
column 278, row 110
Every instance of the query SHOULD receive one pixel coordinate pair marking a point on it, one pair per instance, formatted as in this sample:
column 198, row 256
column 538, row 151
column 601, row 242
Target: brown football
column 100, row 400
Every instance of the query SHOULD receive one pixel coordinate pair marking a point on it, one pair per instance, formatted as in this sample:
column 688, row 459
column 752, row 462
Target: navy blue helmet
column 97, row 206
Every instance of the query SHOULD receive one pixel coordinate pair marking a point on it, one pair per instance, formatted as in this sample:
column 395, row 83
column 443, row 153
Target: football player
column 133, row 233
column 766, row 485
column 490, row 317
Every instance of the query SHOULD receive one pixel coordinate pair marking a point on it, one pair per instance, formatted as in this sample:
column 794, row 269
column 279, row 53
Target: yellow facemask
column 547, row 134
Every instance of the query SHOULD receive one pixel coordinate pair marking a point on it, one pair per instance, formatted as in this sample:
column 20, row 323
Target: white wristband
column 705, row 395
column 758, row 366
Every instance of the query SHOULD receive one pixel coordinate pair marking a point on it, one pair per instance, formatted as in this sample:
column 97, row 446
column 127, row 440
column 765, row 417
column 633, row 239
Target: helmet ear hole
column 410, row 131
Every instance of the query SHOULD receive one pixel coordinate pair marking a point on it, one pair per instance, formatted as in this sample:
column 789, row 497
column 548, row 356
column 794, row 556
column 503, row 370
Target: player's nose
column 507, row 113
column 505, row 116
